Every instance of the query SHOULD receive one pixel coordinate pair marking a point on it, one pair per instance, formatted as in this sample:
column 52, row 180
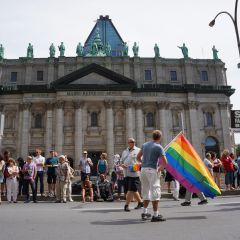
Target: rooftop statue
column 108, row 49
column 98, row 48
column 215, row 53
column 156, row 51
column 79, row 50
column 30, row 51
column 1, row 52
column 184, row 51
column 125, row 49
column 135, row 49
column 94, row 49
column 61, row 49
column 52, row 50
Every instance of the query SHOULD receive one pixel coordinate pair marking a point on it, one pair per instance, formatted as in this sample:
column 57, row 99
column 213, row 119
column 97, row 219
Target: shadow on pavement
column 119, row 222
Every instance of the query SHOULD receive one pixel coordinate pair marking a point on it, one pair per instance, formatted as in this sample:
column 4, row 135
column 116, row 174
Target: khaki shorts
column 150, row 180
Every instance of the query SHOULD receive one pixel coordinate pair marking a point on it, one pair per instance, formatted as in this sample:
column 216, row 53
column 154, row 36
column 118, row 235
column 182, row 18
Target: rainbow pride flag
column 188, row 168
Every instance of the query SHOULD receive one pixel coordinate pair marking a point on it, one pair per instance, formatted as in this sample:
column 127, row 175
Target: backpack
column 6, row 173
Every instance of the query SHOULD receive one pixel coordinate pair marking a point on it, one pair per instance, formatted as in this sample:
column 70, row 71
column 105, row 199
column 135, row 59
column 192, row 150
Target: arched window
column 209, row 119
column 94, row 119
column 176, row 119
column 211, row 145
column 150, row 120
column 38, row 121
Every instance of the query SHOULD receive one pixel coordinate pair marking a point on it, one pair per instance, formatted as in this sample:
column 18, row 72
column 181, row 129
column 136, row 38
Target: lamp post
column 234, row 20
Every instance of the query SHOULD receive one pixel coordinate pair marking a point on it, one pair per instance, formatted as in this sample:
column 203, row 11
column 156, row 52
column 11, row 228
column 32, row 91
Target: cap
column 84, row 151
column 52, row 150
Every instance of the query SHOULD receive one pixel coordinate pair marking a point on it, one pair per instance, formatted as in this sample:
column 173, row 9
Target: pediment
column 93, row 75
column 94, row 78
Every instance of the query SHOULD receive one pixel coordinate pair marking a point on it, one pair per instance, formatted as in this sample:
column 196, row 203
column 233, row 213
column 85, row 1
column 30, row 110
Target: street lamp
column 234, row 20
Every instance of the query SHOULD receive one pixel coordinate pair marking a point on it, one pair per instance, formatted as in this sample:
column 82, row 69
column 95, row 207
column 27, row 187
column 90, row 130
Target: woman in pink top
column 216, row 169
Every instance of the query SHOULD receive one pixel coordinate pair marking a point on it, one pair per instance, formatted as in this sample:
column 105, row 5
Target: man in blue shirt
column 51, row 164
column 150, row 154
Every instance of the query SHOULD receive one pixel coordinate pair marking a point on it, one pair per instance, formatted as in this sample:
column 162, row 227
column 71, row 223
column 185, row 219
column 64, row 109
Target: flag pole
column 165, row 148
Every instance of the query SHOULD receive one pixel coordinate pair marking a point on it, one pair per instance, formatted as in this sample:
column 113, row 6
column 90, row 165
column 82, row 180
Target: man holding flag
column 150, row 153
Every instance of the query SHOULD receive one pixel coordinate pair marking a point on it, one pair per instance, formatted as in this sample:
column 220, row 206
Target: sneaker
column 58, row 201
column 14, row 201
column 140, row 205
column 35, row 201
column 159, row 218
column 64, row 201
column 205, row 201
column 145, row 216
column 126, row 208
column 27, row 201
column 71, row 200
column 186, row 204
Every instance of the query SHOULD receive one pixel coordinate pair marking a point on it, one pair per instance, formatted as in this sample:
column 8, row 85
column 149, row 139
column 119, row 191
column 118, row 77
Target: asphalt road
column 220, row 219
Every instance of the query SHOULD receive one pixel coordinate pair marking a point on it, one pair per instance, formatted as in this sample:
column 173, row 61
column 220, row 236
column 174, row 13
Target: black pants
column 40, row 177
column 28, row 182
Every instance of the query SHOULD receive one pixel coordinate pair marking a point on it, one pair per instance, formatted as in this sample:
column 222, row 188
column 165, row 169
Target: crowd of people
column 136, row 175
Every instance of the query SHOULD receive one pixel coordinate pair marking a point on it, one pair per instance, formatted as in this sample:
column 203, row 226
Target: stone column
column 59, row 136
column 110, row 133
column 50, row 77
column 225, row 122
column 126, row 67
column 139, row 123
column 129, row 119
column 137, row 71
column 61, row 63
column 78, row 105
column 28, row 77
column 19, row 130
column 188, row 68
column 49, row 128
column 25, row 129
column 163, row 113
column 194, row 126
column 1, row 125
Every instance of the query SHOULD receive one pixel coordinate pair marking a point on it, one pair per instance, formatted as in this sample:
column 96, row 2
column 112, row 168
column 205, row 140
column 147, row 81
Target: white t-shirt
column 39, row 159
column 208, row 164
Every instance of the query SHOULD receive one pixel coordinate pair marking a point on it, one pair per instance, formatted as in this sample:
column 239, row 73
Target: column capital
column 139, row 104
column 25, row 106
column 78, row 104
column 163, row 104
column 59, row 104
column 49, row 105
column 1, row 107
column 108, row 103
column 223, row 105
column 128, row 103
column 192, row 104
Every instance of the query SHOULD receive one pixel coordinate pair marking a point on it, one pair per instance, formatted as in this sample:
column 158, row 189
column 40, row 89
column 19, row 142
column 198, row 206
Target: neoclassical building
column 96, row 100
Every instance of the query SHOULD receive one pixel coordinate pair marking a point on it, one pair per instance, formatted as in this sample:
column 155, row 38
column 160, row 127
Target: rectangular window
column 13, row 77
column 147, row 75
column 173, row 75
column 39, row 75
column 204, row 76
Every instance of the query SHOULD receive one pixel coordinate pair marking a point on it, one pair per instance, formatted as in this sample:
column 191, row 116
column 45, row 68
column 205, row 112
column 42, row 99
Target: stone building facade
column 95, row 103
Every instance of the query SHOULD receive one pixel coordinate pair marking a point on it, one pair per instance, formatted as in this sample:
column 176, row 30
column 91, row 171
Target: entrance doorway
column 95, row 156
column 211, row 145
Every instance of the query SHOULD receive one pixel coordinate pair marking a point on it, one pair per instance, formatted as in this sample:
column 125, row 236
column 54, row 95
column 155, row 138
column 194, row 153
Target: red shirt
column 227, row 163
